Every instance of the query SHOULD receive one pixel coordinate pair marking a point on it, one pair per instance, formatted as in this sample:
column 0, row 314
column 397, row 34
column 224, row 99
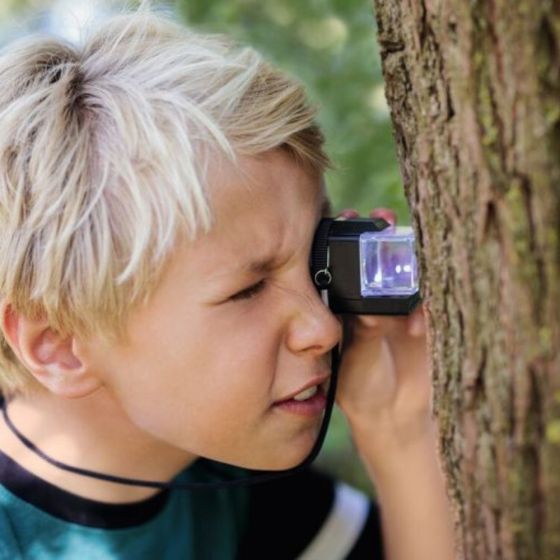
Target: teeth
column 308, row 393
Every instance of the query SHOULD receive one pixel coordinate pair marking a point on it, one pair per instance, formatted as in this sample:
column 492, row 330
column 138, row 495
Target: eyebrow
column 260, row 266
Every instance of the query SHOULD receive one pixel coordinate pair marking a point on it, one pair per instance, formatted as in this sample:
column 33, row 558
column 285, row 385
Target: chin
column 283, row 456
column 285, row 463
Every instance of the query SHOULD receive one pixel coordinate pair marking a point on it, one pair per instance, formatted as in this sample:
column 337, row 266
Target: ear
column 52, row 360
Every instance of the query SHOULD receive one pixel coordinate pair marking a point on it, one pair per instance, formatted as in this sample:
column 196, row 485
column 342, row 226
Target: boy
column 159, row 193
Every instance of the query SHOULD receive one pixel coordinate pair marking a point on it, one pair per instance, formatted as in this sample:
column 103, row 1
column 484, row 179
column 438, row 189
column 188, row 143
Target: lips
column 312, row 383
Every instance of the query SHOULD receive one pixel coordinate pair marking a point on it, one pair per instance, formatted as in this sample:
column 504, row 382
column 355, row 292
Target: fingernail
column 348, row 213
column 386, row 214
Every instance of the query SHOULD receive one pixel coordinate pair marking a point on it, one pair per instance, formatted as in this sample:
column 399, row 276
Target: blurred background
column 330, row 46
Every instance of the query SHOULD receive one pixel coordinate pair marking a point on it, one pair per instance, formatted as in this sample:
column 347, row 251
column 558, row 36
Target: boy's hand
column 385, row 392
column 384, row 381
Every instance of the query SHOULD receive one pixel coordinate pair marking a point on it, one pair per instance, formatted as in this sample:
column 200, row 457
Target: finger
column 412, row 361
column 417, row 322
column 400, row 328
column 348, row 213
column 380, row 325
column 386, row 214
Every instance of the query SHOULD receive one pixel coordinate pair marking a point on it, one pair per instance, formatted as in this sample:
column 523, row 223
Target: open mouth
column 309, row 402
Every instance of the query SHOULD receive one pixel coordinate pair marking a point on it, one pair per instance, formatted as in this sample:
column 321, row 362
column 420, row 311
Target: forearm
column 416, row 515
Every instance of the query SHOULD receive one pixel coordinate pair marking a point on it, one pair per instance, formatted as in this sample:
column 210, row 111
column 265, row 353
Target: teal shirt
column 187, row 524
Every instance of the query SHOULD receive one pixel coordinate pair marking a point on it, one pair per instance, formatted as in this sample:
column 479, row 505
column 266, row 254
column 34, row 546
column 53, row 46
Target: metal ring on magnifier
column 322, row 278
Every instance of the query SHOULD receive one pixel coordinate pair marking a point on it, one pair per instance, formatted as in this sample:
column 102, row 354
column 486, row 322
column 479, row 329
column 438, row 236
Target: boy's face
column 204, row 367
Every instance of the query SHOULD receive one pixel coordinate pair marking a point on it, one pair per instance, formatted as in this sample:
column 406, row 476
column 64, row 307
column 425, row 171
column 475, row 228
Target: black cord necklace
column 225, row 479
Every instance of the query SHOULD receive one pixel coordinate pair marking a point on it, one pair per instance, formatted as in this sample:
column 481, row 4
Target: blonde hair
column 103, row 155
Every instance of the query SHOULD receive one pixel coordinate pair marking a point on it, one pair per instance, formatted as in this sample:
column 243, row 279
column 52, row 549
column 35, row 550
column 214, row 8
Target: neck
column 92, row 433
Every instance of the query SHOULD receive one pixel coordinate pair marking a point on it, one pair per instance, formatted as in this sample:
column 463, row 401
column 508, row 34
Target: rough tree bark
column 474, row 92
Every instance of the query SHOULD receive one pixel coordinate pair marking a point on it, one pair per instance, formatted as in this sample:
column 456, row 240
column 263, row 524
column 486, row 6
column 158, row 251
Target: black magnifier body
column 365, row 266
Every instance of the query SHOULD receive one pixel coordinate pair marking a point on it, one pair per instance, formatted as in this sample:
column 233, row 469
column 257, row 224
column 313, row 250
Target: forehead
column 263, row 207
column 268, row 182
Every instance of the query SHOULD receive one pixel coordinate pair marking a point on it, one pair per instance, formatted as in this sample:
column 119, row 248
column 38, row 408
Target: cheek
column 238, row 349
column 236, row 370
column 216, row 379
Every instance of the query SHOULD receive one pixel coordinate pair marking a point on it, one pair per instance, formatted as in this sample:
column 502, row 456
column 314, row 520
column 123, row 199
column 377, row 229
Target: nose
column 312, row 328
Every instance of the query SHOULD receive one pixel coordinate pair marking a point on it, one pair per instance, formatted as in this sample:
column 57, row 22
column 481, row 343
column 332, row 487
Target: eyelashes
column 253, row 291
column 249, row 292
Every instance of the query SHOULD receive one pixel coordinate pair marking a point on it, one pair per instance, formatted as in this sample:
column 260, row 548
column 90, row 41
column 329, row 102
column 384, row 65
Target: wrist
column 410, row 486
column 394, row 462
column 387, row 435
column 386, row 444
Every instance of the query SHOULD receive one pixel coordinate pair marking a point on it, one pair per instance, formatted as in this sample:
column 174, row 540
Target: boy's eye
column 249, row 292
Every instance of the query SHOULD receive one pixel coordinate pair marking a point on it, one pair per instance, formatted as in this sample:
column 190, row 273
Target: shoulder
column 311, row 515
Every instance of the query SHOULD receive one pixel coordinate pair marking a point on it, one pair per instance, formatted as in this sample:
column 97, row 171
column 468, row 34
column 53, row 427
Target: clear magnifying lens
column 388, row 262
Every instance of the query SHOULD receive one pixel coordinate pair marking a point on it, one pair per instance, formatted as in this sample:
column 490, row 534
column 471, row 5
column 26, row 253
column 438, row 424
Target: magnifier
column 365, row 266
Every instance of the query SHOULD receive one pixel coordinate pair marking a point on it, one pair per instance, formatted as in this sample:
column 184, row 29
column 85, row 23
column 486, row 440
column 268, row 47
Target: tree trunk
column 474, row 92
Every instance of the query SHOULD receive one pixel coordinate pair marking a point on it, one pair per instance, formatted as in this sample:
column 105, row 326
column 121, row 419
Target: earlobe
column 49, row 357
